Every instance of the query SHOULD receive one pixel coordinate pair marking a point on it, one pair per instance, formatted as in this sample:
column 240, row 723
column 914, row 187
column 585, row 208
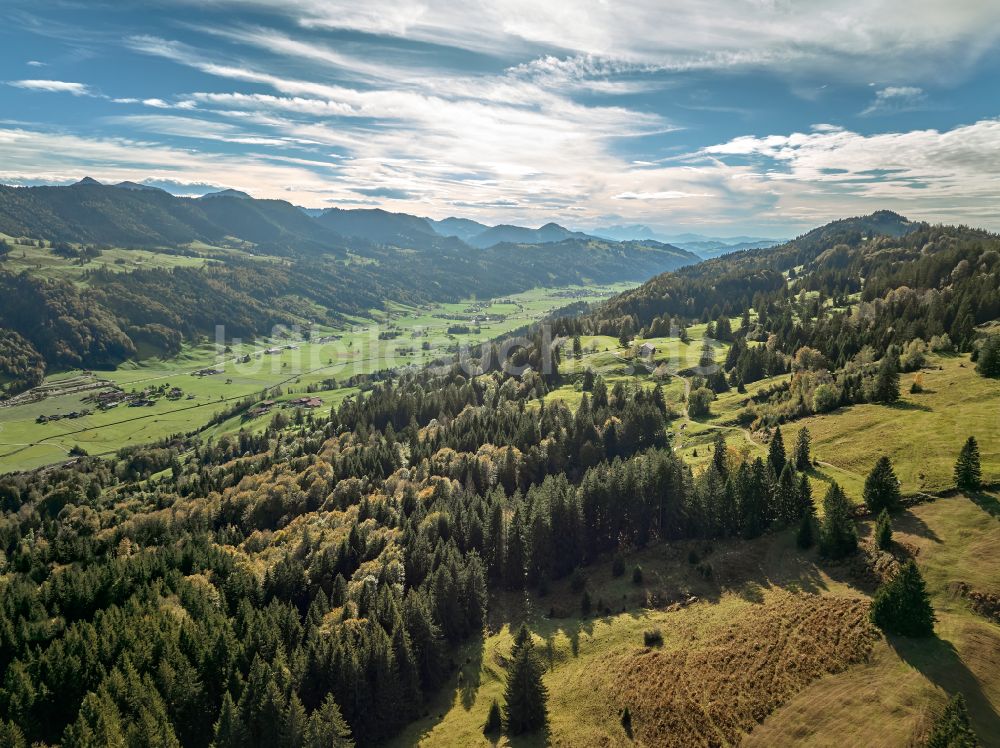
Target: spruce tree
column 882, row 487
column 11, row 735
column 327, row 727
column 805, row 496
column 295, row 724
column 886, row 388
column 526, row 695
column 719, row 454
column 968, row 472
column 883, row 531
column 805, row 535
column 838, row 536
column 230, row 732
column 988, row 361
column 776, row 452
column 952, row 728
column 902, row 606
column 803, row 459
column 786, row 498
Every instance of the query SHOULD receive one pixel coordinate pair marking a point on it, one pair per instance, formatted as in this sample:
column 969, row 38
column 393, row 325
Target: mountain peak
column 226, row 193
column 86, row 181
column 137, row 187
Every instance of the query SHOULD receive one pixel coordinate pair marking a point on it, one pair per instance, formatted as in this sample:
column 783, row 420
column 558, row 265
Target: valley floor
column 295, row 366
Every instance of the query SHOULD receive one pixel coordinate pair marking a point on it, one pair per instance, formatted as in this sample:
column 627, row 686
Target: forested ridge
column 842, row 308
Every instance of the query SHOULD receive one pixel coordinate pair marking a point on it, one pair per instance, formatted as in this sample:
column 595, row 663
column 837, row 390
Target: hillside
column 247, row 264
column 674, row 492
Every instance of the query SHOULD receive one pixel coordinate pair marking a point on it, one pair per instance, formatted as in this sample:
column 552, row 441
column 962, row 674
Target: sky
column 724, row 117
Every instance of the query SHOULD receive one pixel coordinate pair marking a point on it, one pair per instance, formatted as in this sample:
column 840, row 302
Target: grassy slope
column 888, row 699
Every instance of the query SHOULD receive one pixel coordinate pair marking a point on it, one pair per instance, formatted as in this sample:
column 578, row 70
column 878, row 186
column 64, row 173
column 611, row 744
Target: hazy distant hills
column 704, row 246
column 133, row 214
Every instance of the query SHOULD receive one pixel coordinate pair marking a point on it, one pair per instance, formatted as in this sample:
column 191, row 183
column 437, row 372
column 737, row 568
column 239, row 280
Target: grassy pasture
column 776, row 648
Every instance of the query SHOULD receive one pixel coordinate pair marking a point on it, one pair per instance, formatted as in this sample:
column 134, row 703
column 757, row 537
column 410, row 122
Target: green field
column 25, row 444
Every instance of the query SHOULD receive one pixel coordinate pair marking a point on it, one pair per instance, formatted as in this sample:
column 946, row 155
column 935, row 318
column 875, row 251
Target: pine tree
column 526, row 695
column 11, row 736
column 98, row 724
column 838, row 537
column 294, row 724
column 952, row 728
column 327, row 727
column 805, row 495
column 803, row 460
column 230, row 732
column 968, row 472
column 776, row 452
column 886, row 389
column 719, row 455
column 988, row 361
column 883, row 531
column 882, row 487
column 786, row 498
column 804, row 536
column 902, row 606
column 493, row 720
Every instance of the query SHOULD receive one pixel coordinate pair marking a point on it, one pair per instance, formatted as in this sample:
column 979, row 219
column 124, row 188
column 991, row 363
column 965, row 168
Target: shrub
column 637, row 574
column 952, row 728
column 618, row 566
column 883, row 531
column 652, row 638
column 826, row 398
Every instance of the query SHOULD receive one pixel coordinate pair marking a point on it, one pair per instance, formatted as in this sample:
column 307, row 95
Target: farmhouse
column 647, row 350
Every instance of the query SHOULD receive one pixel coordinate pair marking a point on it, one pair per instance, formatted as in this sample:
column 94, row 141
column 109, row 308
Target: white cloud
column 77, row 89
column 896, row 99
column 880, row 37
column 662, row 195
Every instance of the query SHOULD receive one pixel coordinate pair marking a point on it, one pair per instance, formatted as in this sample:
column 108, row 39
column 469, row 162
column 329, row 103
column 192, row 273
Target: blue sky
column 721, row 116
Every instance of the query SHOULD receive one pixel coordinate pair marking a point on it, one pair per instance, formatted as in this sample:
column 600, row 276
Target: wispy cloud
column 77, row 89
column 894, row 99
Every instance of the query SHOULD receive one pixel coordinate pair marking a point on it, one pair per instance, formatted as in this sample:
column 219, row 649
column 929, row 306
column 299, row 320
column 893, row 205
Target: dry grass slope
column 713, row 694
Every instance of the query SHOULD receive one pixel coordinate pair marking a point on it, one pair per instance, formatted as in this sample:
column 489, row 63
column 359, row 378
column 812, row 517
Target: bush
column 637, row 575
column 699, row 402
column 618, row 566
column 652, row 638
column 883, row 531
column 952, row 728
column 825, row 398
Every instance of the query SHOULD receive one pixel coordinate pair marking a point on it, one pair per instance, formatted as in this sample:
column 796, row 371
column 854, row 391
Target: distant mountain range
column 704, row 246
